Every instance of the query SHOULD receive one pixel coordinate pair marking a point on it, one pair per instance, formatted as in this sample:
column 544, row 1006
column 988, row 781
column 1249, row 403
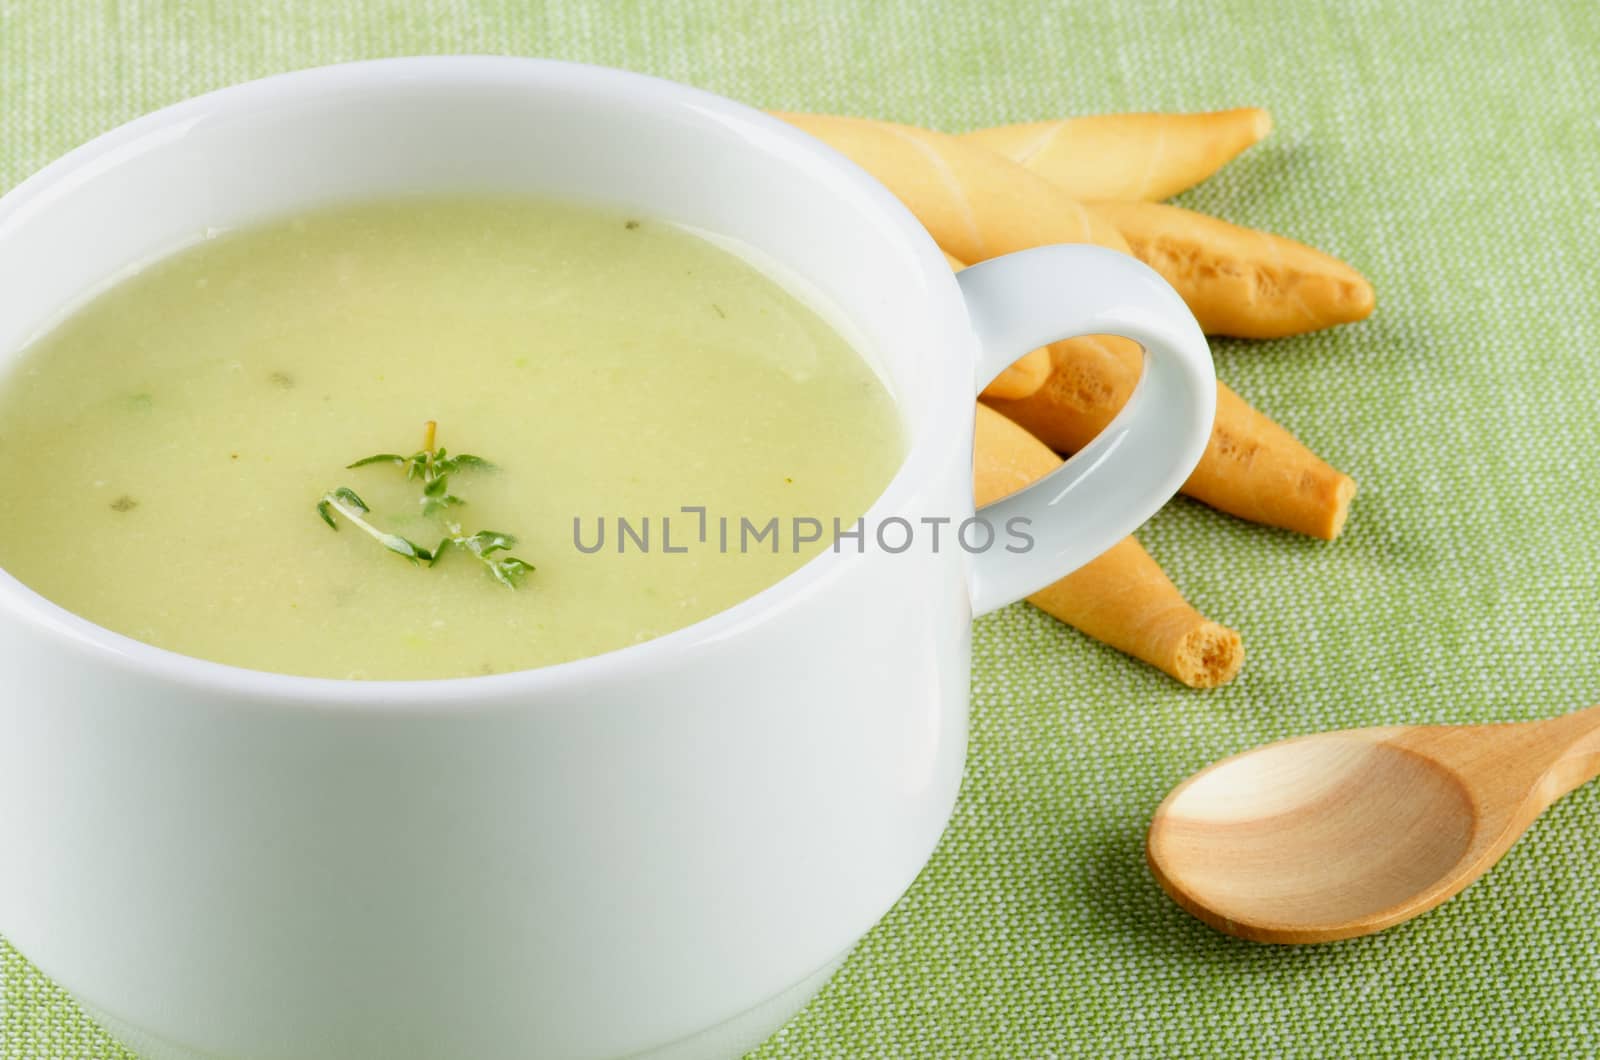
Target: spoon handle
column 1520, row 768
column 1576, row 740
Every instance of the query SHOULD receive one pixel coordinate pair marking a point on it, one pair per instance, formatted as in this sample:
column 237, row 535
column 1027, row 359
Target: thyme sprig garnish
column 433, row 466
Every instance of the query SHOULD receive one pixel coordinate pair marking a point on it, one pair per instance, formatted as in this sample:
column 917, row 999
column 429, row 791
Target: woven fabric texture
column 1451, row 152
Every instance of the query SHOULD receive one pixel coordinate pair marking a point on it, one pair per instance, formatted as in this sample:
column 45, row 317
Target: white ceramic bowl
column 665, row 848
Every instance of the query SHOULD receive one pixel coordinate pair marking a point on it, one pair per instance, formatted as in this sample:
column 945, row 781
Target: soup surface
column 163, row 451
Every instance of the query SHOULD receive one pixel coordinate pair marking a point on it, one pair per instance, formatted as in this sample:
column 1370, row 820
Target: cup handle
column 1116, row 482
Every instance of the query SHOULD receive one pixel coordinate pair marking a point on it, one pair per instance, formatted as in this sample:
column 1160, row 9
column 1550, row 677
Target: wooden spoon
column 1346, row 833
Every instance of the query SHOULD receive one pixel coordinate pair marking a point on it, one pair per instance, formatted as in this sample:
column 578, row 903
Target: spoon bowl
column 1341, row 834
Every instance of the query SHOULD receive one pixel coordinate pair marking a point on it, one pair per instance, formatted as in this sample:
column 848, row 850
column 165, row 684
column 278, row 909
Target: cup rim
column 163, row 664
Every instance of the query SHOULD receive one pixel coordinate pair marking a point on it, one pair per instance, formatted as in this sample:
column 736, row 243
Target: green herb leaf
column 438, row 552
column 380, row 458
column 348, row 495
column 486, row 541
column 408, row 549
column 508, row 571
column 434, row 506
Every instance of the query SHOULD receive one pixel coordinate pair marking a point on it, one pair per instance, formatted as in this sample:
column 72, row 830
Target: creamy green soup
column 164, row 450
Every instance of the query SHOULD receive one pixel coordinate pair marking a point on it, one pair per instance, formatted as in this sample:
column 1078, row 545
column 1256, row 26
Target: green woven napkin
column 1450, row 151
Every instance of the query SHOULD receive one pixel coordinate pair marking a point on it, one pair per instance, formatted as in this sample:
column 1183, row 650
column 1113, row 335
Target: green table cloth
column 1451, row 152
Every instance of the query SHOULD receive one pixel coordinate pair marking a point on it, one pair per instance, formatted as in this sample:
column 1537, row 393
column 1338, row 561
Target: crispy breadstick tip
column 1125, row 599
column 1239, row 281
column 1122, row 598
column 1252, row 467
column 1129, row 156
column 1208, row 655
